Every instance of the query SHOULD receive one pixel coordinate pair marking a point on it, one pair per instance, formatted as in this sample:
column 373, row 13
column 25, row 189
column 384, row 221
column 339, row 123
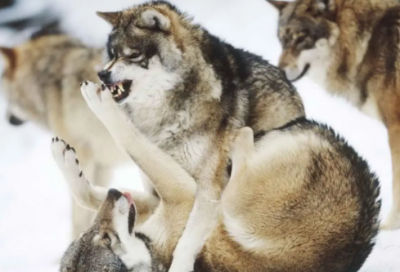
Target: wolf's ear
column 111, row 17
column 152, row 18
column 279, row 5
column 8, row 55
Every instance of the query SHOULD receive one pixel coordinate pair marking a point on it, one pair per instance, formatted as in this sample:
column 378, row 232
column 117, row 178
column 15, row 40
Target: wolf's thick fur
column 185, row 90
column 350, row 47
column 174, row 99
column 299, row 199
column 41, row 84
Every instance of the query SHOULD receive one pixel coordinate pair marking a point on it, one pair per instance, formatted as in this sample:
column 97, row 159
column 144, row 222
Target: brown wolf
column 351, row 48
column 41, row 84
column 299, row 200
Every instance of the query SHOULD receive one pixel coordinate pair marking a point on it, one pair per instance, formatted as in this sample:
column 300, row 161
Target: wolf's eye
column 110, row 52
column 300, row 39
column 136, row 55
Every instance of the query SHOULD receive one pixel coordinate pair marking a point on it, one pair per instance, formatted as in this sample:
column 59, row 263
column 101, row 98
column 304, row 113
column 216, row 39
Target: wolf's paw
column 65, row 157
column 68, row 163
column 392, row 222
column 91, row 92
column 100, row 101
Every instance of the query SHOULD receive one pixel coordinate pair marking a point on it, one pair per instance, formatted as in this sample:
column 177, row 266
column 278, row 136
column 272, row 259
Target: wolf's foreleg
column 88, row 195
column 172, row 183
column 203, row 217
column 85, row 193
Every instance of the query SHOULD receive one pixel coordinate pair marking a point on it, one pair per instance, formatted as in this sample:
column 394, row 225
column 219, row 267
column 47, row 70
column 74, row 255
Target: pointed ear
column 152, row 18
column 111, row 17
column 8, row 55
column 279, row 5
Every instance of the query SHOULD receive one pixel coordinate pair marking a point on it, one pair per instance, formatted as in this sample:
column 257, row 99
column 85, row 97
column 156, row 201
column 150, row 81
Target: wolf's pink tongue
column 128, row 197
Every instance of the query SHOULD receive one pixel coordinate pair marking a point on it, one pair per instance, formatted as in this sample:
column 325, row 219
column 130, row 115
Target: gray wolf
column 350, row 47
column 298, row 199
column 41, row 84
column 186, row 90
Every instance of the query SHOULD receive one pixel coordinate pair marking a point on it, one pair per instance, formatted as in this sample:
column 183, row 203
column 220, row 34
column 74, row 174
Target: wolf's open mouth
column 128, row 197
column 120, row 90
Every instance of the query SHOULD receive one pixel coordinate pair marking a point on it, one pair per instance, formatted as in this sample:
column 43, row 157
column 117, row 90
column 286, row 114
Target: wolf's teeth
column 121, row 87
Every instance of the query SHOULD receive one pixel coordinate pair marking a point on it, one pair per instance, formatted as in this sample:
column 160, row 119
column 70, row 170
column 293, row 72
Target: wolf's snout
column 104, row 76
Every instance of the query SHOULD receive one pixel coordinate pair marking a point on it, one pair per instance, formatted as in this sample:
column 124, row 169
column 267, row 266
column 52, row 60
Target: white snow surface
column 34, row 199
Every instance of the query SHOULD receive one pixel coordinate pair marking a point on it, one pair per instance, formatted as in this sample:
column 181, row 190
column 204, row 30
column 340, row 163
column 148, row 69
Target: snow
column 34, row 199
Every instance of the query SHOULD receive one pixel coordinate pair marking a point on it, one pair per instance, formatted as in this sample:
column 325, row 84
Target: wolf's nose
column 15, row 121
column 104, row 75
column 114, row 194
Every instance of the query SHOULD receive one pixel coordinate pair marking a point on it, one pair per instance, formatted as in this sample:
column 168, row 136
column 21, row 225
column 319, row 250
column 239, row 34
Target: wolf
column 351, row 49
column 41, row 84
column 185, row 90
column 299, row 198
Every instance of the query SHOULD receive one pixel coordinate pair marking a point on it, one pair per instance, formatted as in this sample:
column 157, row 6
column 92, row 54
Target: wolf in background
column 351, row 48
column 41, row 84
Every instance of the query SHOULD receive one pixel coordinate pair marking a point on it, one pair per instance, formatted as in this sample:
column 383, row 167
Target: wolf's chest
column 172, row 138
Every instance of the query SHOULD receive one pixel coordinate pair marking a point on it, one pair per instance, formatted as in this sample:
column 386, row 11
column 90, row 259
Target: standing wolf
column 41, row 84
column 351, row 48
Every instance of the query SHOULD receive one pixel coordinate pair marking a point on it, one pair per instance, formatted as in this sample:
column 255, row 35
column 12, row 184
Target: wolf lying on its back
column 351, row 47
column 298, row 200
column 41, row 84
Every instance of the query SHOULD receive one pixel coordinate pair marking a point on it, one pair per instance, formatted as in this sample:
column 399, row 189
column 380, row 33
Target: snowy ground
column 34, row 201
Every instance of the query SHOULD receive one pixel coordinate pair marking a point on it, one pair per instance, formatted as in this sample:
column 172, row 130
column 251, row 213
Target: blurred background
column 34, row 199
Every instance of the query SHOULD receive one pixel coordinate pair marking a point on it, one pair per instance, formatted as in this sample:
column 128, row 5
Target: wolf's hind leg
column 253, row 202
column 86, row 194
